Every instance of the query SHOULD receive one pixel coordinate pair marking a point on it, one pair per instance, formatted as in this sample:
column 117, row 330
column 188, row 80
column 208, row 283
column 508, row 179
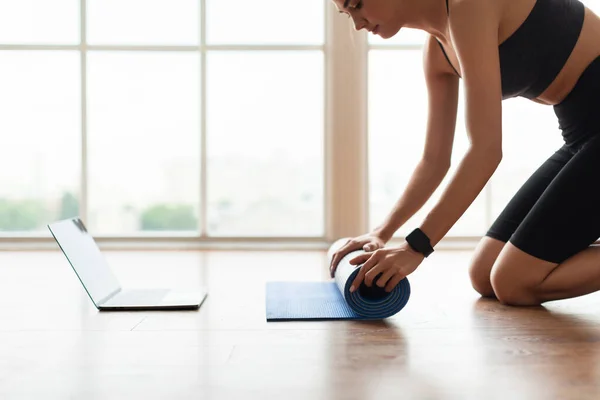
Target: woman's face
column 376, row 16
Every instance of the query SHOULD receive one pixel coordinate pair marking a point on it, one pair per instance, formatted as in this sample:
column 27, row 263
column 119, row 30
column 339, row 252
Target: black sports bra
column 535, row 53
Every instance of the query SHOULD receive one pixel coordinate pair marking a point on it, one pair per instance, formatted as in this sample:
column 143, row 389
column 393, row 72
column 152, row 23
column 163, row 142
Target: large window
column 156, row 117
column 228, row 119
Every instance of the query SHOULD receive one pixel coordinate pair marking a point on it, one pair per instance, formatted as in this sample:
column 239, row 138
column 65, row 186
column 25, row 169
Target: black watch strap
column 420, row 242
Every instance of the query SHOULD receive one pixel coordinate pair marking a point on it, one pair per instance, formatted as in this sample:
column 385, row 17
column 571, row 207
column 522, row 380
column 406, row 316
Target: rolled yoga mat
column 295, row 301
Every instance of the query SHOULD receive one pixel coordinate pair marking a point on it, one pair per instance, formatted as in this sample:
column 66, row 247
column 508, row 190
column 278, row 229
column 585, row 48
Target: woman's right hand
column 368, row 242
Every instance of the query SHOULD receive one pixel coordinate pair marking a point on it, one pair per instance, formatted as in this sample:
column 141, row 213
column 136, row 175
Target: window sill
column 24, row 243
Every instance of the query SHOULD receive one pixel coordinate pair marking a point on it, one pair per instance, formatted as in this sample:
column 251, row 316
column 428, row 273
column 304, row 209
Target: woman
column 548, row 51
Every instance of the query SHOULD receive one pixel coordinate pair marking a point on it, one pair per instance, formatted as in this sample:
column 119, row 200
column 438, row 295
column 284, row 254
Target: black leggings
column 556, row 213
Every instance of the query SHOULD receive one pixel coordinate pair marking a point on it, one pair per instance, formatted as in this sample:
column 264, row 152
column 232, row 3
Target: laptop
column 101, row 285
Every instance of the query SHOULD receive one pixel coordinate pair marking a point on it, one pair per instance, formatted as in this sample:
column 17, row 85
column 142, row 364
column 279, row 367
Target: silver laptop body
column 103, row 288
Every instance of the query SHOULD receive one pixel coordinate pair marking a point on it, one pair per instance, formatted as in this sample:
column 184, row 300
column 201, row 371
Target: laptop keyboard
column 136, row 297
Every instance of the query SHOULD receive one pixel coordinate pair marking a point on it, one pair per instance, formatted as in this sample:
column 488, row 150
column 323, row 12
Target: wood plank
column 446, row 344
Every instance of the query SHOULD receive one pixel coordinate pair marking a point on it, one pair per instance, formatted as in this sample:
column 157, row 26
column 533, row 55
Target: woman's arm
column 442, row 90
column 474, row 30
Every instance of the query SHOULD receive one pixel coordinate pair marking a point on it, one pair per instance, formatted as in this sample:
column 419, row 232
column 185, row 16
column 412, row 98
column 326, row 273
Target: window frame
column 346, row 197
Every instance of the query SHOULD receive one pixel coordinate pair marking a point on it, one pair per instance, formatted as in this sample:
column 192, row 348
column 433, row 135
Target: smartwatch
column 420, row 242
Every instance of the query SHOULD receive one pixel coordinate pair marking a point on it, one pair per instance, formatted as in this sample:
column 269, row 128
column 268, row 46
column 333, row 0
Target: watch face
column 419, row 242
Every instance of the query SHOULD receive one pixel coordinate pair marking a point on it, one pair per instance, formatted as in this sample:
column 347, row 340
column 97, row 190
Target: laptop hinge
column 110, row 295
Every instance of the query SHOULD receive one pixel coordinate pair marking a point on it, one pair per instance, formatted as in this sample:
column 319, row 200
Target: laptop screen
column 83, row 254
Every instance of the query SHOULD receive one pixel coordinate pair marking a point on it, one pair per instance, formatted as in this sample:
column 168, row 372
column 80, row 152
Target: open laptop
column 82, row 252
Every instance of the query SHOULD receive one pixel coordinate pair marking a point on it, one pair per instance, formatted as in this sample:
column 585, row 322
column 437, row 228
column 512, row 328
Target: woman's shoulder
column 464, row 14
column 468, row 6
column 470, row 18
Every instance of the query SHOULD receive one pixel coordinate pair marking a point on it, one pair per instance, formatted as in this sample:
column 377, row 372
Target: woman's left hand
column 394, row 263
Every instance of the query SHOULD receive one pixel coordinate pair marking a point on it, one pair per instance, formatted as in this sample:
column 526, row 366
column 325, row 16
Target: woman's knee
column 480, row 280
column 517, row 275
column 480, row 269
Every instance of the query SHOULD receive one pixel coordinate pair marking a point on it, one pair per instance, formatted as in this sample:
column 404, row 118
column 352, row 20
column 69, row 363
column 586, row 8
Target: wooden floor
column 446, row 344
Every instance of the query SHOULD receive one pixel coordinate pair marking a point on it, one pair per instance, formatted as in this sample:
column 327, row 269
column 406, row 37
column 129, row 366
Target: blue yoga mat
column 294, row 301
